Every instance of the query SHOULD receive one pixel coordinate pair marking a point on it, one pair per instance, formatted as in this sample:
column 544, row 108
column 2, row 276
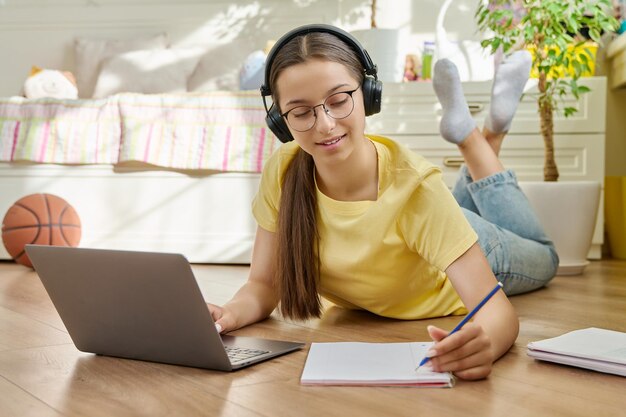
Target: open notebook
column 357, row 363
column 597, row 349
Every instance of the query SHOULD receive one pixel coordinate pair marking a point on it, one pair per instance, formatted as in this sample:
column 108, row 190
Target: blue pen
column 467, row 318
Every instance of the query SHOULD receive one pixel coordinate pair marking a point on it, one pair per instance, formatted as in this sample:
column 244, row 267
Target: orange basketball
column 42, row 219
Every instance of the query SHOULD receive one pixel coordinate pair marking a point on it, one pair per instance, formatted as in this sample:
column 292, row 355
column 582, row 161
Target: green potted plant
column 552, row 30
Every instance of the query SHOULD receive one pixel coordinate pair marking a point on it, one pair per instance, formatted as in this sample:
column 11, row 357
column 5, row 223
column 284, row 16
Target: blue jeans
column 521, row 256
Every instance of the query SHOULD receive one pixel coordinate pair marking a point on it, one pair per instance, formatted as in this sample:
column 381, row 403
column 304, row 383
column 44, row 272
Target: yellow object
column 34, row 70
column 615, row 214
column 591, row 46
column 268, row 46
column 384, row 256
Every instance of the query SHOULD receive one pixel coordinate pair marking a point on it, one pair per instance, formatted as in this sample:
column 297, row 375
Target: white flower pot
column 567, row 210
column 383, row 46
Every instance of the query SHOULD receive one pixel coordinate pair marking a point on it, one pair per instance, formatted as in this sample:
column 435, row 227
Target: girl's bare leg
column 480, row 158
column 494, row 139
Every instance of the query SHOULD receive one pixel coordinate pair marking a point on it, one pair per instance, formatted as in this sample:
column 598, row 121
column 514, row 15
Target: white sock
column 508, row 86
column 457, row 122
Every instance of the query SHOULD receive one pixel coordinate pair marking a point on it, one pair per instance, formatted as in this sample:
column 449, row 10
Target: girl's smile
column 331, row 142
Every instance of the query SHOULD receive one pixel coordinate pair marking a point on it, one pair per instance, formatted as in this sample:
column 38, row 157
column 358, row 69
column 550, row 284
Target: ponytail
column 297, row 271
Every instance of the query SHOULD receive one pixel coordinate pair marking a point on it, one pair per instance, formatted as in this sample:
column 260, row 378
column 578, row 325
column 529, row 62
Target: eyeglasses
column 338, row 106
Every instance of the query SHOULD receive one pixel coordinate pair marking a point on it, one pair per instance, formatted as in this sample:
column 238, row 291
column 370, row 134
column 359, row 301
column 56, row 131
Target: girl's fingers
column 457, row 339
column 476, row 359
column 225, row 323
column 474, row 366
column 467, row 352
column 216, row 311
column 473, row 346
column 436, row 333
column 478, row 372
column 222, row 317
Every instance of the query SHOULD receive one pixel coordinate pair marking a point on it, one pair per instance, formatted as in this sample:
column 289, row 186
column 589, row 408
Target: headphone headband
column 366, row 60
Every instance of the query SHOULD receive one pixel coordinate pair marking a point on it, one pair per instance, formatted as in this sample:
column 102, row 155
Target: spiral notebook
column 376, row 364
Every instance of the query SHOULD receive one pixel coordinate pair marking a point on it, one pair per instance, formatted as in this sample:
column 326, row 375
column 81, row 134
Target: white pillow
column 219, row 67
column 150, row 71
column 89, row 54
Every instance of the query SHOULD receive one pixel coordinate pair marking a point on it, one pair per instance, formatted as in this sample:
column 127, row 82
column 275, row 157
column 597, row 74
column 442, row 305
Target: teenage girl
column 368, row 224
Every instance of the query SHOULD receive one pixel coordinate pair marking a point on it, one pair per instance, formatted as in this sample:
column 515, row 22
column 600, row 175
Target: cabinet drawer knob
column 453, row 161
column 475, row 107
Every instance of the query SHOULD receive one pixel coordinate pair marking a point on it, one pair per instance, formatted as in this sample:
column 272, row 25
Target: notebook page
column 368, row 363
column 592, row 343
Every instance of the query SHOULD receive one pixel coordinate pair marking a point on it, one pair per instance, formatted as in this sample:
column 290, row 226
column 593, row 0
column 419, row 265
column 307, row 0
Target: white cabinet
column 411, row 112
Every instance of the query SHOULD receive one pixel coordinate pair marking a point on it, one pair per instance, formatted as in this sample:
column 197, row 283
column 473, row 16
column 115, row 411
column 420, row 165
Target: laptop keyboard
column 236, row 354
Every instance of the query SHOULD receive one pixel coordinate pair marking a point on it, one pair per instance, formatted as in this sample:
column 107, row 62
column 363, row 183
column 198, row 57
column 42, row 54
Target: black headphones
column 372, row 88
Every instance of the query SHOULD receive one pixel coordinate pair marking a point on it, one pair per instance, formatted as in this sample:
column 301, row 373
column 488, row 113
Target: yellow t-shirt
column 385, row 256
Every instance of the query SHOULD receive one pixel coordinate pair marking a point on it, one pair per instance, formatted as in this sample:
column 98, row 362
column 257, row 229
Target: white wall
column 41, row 32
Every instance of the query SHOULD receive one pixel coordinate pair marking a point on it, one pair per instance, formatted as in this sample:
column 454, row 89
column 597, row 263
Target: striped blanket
column 223, row 131
column 60, row 131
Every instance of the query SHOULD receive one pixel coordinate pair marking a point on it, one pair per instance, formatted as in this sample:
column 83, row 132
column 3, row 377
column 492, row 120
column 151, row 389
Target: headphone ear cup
column 372, row 95
column 277, row 125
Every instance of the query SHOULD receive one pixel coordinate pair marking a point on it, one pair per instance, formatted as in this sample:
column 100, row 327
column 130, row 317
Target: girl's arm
column 471, row 351
column 258, row 297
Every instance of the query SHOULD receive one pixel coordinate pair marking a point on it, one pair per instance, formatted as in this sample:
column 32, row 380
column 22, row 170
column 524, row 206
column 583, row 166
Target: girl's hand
column 467, row 353
column 224, row 321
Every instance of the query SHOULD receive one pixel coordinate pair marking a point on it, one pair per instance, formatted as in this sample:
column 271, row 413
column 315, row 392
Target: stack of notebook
column 597, row 349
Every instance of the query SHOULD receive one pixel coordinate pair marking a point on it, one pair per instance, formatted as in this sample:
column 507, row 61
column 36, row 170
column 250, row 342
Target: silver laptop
column 141, row 305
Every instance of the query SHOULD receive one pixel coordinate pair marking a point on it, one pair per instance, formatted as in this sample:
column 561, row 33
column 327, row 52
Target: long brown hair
column 298, row 264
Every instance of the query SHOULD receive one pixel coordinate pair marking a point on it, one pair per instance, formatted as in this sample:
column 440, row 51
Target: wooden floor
column 42, row 373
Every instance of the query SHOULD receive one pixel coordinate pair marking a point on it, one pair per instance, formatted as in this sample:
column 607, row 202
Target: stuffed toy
column 50, row 83
column 253, row 69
